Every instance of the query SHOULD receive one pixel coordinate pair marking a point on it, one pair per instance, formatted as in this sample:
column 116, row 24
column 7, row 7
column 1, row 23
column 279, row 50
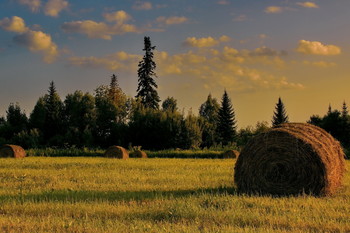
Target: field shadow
column 112, row 196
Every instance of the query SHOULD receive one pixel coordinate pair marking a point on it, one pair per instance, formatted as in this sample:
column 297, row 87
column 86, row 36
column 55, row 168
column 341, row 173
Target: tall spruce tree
column 146, row 90
column 54, row 114
column 226, row 126
column 280, row 115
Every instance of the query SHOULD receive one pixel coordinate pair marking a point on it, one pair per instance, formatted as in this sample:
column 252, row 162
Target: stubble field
column 40, row 194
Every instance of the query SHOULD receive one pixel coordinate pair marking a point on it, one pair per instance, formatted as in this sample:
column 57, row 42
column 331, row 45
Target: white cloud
column 34, row 5
column 100, row 29
column 117, row 16
column 308, row 4
column 139, row 5
column 317, row 48
column 54, row 7
column 37, row 41
column 205, row 41
column 172, row 20
column 273, row 9
column 15, row 24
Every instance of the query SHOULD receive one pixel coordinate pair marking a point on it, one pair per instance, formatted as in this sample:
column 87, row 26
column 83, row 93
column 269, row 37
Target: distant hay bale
column 230, row 154
column 138, row 154
column 291, row 159
column 12, row 151
column 116, row 152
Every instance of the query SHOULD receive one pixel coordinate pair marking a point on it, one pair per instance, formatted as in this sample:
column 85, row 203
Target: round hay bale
column 116, row 152
column 230, row 154
column 291, row 159
column 12, row 151
column 138, row 154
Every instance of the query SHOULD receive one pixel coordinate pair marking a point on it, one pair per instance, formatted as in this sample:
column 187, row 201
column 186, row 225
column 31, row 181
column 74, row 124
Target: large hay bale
column 12, row 151
column 291, row 159
column 138, row 154
column 230, row 154
column 116, row 152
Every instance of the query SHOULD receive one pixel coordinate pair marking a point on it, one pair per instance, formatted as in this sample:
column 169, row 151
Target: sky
column 256, row 50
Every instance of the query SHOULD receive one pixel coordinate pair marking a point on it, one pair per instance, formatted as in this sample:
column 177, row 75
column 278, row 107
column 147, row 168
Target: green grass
column 85, row 194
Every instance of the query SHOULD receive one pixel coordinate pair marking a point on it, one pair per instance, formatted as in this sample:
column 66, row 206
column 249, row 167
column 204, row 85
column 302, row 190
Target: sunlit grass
column 151, row 195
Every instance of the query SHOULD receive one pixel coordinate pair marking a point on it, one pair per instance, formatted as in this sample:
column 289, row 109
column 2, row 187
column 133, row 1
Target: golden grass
column 159, row 195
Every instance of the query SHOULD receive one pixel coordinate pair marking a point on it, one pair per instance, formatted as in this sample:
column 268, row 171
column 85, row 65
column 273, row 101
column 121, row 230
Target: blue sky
column 256, row 50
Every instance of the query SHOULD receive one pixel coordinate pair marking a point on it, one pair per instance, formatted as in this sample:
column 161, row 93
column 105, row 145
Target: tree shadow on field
column 73, row 196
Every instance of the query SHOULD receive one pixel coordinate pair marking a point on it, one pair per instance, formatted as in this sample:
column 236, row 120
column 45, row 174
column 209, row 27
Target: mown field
column 93, row 194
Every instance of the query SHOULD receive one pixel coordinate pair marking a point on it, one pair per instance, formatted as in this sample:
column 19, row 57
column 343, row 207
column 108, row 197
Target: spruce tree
column 226, row 126
column 280, row 115
column 54, row 114
column 344, row 112
column 146, row 90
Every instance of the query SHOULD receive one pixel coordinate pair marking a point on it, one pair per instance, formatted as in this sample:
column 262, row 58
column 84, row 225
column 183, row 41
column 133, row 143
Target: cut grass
column 151, row 195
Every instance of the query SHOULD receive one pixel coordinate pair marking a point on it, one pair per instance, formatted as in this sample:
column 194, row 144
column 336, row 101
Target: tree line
column 109, row 117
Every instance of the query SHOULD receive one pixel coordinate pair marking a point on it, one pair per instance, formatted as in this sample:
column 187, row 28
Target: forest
column 110, row 117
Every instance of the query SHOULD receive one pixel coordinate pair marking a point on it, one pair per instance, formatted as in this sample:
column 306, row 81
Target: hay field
column 40, row 194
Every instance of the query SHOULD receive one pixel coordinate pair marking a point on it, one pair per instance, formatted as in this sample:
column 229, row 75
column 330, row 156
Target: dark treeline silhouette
column 109, row 117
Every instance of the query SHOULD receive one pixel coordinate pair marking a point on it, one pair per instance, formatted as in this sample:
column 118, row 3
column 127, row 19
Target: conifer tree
column 54, row 113
column 226, row 126
column 344, row 112
column 146, row 90
column 280, row 115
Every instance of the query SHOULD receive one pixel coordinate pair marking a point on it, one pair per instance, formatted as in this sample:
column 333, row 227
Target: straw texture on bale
column 291, row 159
column 138, row 154
column 230, row 154
column 12, row 151
column 116, row 152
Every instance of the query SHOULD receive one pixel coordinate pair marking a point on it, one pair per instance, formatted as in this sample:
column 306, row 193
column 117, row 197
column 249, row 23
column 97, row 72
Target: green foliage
column 146, row 90
column 226, row 125
column 169, row 104
column 245, row 134
column 280, row 115
column 209, row 114
column 80, row 115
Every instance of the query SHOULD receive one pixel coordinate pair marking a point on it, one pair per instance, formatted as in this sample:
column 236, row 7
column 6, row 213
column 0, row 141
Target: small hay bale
column 12, row 151
column 138, row 154
column 230, row 154
column 291, row 159
column 116, row 152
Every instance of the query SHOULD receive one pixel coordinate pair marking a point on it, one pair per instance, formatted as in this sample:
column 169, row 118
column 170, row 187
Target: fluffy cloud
column 171, row 20
column 273, row 9
column 37, row 41
column 317, row 48
column 54, row 7
column 142, row 5
column 205, row 41
column 117, row 16
column 51, row 8
column 307, row 4
column 34, row 5
column 15, row 24
column 100, row 29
